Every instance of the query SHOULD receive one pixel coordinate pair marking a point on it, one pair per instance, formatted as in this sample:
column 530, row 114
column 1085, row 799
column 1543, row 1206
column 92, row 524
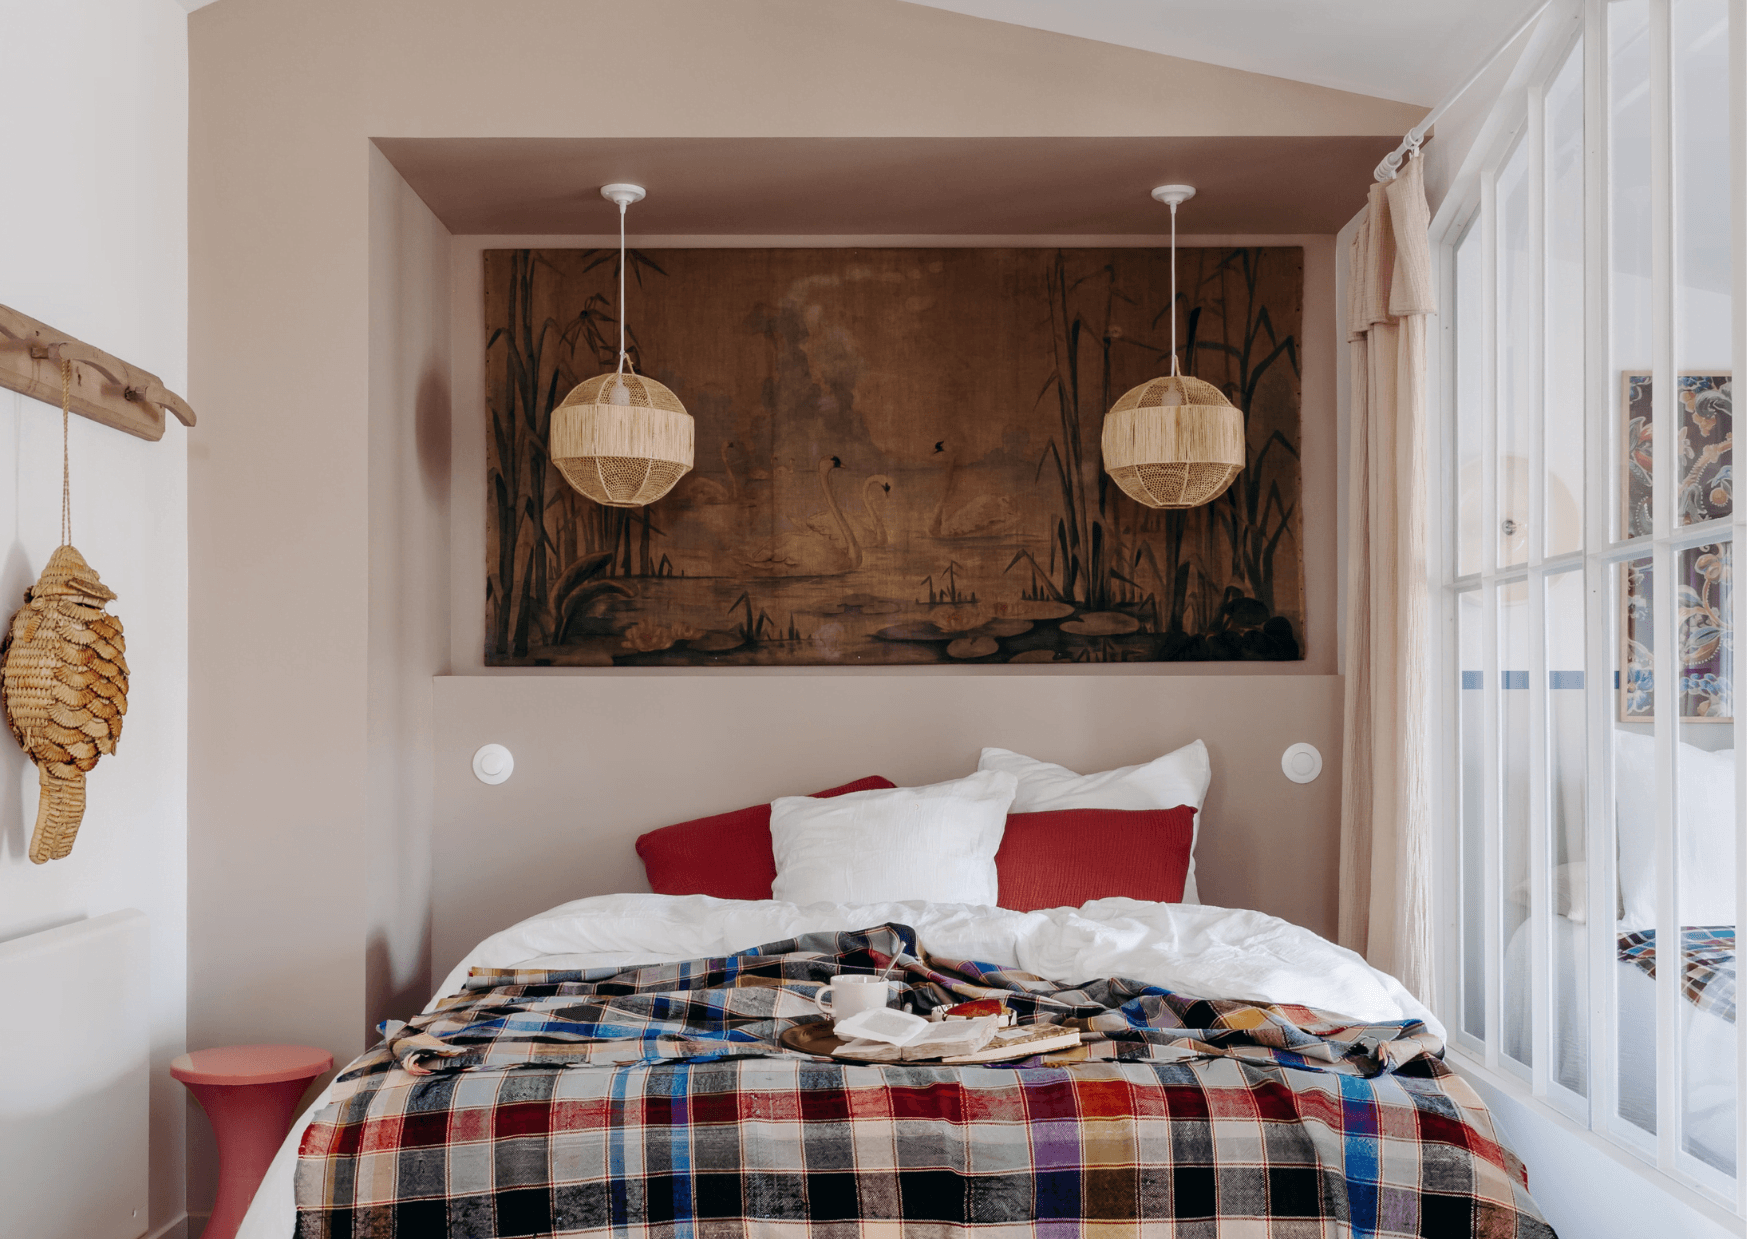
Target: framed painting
column 897, row 459
column 1705, row 646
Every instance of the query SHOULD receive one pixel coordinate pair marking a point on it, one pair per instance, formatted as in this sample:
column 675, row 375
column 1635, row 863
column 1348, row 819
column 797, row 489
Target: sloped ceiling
column 1413, row 51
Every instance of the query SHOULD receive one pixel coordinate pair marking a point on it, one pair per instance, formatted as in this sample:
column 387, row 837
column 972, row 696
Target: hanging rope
column 66, row 476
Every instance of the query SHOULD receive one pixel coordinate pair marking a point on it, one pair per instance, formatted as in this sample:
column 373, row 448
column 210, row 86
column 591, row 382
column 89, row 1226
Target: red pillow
column 727, row 855
column 1066, row 857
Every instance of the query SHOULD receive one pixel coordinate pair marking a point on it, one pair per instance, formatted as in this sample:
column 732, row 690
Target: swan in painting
column 979, row 517
column 702, row 490
column 807, row 552
column 877, row 486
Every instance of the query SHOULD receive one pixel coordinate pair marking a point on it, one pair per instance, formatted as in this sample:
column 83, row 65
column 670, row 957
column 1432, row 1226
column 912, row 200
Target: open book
column 977, row 1040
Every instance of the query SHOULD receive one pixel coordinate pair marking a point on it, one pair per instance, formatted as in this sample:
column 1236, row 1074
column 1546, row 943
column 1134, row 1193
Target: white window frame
column 1470, row 203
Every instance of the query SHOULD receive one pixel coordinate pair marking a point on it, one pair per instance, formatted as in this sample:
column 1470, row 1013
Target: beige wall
column 305, row 723
column 588, row 781
column 409, row 579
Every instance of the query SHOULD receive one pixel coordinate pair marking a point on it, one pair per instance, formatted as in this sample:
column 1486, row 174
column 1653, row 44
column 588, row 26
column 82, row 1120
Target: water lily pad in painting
column 972, row 647
column 1034, row 656
column 1004, row 628
column 1102, row 624
column 923, row 632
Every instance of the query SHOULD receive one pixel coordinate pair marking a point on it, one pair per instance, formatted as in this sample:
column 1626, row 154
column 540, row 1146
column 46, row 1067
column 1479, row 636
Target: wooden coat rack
column 104, row 388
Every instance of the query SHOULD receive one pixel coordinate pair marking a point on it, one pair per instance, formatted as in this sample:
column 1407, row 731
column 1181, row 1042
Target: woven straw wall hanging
column 622, row 439
column 1173, row 442
column 63, row 676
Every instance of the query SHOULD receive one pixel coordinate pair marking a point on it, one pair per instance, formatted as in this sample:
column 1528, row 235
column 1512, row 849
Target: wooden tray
column 817, row 1038
column 813, row 1038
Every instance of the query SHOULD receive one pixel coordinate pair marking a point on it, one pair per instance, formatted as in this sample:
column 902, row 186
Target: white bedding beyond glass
column 1214, row 952
column 1708, row 1044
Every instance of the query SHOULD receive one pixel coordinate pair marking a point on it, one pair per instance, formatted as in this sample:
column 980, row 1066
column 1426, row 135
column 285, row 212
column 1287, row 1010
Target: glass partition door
column 1590, row 685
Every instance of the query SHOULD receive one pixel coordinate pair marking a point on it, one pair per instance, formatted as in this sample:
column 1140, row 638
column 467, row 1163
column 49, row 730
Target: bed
column 612, row 1066
column 655, row 1064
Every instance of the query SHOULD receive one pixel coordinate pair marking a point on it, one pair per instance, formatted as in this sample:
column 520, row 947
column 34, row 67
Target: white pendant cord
column 1174, row 369
column 620, row 383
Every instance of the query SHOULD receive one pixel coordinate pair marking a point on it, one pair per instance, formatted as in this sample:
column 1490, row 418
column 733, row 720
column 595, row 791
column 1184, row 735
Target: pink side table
column 250, row 1093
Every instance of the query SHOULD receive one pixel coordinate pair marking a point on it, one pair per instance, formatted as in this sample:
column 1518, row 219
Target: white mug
column 855, row 992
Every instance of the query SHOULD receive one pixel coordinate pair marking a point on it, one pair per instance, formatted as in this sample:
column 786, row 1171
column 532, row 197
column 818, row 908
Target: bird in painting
column 704, row 490
column 810, row 552
column 875, row 487
column 982, row 516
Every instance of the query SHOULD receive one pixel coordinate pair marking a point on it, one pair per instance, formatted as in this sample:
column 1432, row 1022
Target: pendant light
column 1175, row 441
column 622, row 439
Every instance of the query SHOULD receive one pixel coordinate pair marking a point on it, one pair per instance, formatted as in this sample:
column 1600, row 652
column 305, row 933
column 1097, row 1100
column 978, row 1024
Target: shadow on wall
column 15, row 578
column 385, row 996
column 431, row 421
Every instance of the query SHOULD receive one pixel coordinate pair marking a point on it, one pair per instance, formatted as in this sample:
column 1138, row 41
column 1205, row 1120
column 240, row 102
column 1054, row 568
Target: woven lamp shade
column 1173, row 442
column 623, row 455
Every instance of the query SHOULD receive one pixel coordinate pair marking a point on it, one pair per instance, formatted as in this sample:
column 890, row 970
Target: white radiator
column 74, row 1077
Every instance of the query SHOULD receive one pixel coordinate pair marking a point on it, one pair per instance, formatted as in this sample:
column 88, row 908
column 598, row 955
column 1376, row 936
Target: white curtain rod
column 1392, row 163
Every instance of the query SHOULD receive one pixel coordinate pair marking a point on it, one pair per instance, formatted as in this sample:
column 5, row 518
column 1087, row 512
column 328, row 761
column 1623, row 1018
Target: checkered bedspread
column 1708, row 964
column 657, row 1101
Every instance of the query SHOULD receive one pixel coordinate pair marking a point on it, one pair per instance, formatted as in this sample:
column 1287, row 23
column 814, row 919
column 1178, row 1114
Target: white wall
column 93, row 216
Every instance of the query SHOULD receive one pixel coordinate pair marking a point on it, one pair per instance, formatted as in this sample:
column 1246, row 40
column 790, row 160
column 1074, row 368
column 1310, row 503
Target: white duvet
column 1196, row 948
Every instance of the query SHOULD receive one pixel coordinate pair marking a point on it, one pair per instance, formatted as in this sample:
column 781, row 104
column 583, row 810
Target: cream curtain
column 1386, row 805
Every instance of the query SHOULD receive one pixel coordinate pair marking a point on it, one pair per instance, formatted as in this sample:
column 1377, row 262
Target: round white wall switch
column 492, row 764
column 1301, row 763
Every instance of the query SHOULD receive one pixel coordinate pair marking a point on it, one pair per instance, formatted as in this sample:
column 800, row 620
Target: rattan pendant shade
column 1175, row 441
column 622, row 454
column 621, row 439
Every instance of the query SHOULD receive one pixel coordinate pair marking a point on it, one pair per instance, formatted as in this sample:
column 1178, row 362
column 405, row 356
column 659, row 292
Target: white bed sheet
column 1216, row 952
column 1707, row 1053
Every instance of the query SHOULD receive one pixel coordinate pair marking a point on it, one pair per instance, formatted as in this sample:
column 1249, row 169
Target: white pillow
column 1179, row 778
column 1570, row 892
column 935, row 843
column 1706, row 864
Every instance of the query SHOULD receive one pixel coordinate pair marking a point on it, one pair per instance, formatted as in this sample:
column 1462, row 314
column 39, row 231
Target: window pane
column 1568, row 907
column 1701, row 85
column 1469, row 727
column 1514, row 813
column 1473, row 402
column 1519, row 292
column 1563, row 429
column 1635, row 791
column 1705, row 900
column 1629, row 140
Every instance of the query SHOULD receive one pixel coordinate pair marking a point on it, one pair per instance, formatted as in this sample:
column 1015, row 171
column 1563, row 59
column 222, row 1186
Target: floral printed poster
column 1704, row 641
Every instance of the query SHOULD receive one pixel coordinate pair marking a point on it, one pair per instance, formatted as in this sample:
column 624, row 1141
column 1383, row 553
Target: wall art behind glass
column 1705, row 645
column 897, row 459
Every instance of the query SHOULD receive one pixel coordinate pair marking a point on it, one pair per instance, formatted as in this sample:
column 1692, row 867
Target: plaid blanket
column 658, row 1101
column 1708, row 964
